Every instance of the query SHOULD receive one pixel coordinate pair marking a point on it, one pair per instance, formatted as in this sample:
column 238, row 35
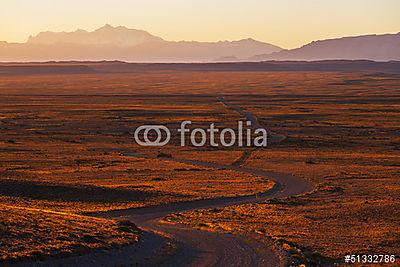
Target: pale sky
column 287, row 23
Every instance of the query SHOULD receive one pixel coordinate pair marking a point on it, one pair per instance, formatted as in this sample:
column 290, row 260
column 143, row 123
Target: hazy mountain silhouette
column 383, row 47
column 121, row 43
column 106, row 35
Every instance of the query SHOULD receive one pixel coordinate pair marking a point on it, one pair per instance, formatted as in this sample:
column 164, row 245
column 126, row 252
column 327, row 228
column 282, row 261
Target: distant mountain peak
column 109, row 27
column 105, row 35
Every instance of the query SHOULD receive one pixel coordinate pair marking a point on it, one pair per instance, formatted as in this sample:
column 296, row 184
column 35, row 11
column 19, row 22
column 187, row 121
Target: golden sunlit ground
column 31, row 233
column 63, row 139
column 346, row 141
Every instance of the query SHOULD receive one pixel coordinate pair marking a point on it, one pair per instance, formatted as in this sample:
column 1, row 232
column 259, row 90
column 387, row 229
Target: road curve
column 193, row 247
column 202, row 248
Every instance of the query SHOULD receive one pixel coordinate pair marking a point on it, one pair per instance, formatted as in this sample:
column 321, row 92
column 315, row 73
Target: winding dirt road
column 166, row 244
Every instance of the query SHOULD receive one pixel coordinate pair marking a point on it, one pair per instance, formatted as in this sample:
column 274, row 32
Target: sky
column 287, row 23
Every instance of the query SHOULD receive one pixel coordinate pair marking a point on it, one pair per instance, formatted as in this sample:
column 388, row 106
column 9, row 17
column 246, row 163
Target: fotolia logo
column 160, row 135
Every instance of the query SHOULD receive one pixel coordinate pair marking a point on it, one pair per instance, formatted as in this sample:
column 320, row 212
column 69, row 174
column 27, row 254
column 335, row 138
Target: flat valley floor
column 65, row 137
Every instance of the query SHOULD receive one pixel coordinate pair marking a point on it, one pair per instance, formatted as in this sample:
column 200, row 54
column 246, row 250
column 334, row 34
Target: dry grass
column 73, row 146
column 63, row 153
column 353, row 209
column 64, row 134
column 344, row 138
column 29, row 233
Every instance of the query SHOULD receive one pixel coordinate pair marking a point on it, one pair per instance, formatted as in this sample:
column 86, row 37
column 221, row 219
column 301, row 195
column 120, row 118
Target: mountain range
column 383, row 47
column 121, row 43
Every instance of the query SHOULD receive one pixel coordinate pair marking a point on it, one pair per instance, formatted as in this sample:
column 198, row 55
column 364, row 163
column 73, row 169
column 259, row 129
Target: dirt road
column 166, row 244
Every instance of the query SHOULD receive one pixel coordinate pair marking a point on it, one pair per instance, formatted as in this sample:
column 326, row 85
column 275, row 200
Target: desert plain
column 67, row 151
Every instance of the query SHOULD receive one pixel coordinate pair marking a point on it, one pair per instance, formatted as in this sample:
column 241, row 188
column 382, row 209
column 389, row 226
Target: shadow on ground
column 84, row 193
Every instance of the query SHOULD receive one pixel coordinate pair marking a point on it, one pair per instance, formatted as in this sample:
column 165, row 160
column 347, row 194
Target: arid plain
column 65, row 139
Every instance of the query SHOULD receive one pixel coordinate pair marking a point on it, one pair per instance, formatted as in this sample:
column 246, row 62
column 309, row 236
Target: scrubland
column 64, row 140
